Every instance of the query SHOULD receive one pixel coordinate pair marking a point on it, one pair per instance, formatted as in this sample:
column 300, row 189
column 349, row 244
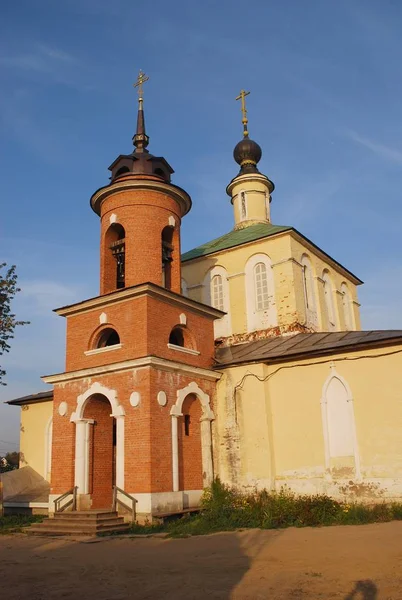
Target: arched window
column 347, row 307
column 308, row 291
column 261, row 286
column 260, row 298
column 216, row 294
column 115, row 240
column 180, row 336
column 107, row 337
column 176, row 337
column 330, row 323
column 167, row 256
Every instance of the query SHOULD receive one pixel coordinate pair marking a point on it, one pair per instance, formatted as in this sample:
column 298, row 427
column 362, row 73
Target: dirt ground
column 352, row 563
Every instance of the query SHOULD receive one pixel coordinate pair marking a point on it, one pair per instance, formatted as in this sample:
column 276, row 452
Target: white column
column 175, row 454
column 87, row 445
column 206, row 450
column 120, row 452
column 80, row 455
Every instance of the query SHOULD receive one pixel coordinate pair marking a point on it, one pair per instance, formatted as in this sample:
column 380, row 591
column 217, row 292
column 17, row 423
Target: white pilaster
column 120, row 451
column 175, row 454
column 206, row 450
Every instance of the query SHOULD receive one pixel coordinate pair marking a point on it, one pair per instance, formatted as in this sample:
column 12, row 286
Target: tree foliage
column 9, row 462
column 8, row 322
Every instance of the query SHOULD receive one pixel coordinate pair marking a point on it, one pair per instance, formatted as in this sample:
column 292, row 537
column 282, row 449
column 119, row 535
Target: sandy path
column 352, row 563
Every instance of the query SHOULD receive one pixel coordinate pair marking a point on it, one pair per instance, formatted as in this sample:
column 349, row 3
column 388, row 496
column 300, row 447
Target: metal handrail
column 72, row 502
column 116, row 501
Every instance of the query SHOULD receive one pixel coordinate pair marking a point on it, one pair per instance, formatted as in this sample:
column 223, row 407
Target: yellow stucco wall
column 285, row 252
column 35, row 420
column 280, row 425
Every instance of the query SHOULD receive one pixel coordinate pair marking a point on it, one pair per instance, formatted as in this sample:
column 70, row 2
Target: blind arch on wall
column 339, row 428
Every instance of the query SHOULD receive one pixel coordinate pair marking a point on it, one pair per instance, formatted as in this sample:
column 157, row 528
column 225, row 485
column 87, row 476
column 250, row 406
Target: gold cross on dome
column 242, row 97
column 141, row 79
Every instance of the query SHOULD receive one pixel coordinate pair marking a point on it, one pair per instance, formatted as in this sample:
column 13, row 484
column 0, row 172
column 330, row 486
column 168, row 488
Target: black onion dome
column 247, row 154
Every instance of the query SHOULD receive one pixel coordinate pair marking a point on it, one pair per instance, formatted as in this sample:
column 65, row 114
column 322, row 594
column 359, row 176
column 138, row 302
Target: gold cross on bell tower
column 242, row 97
column 141, row 79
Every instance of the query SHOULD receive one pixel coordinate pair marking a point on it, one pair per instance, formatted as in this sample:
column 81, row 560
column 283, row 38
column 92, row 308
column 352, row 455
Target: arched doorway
column 101, row 467
column 99, row 446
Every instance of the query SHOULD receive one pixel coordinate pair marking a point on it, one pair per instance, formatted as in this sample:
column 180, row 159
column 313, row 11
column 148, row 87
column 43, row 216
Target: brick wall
column 148, row 441
column 143, row 213
column 101, row 463
column 143, row 324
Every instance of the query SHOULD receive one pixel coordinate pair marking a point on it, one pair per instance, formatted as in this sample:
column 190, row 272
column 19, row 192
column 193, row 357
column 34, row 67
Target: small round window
column 108, row 337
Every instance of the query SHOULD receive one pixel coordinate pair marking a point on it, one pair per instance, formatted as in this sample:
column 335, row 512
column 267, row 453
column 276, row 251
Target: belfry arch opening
column 116, row 256
column 167, row 256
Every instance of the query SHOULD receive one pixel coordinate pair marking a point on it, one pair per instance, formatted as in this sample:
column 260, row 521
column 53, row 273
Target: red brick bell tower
column 133, row 408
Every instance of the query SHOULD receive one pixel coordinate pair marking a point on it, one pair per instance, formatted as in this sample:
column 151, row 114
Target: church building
column 242, row 358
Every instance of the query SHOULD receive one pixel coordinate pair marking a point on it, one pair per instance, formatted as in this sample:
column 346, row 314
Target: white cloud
column 42, row 58
column 382, row 150
column 44, row 296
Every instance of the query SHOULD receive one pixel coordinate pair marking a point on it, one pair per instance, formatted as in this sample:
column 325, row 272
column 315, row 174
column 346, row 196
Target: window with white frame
column 329, row 301
column 217, row 292
column 261, row 286
column 260, row 296
column 347, row 307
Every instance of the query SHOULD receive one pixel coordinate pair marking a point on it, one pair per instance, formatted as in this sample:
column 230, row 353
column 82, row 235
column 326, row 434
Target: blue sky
column 325, row 106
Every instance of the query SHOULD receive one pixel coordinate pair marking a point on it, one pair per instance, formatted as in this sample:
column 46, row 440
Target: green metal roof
column 235, row 238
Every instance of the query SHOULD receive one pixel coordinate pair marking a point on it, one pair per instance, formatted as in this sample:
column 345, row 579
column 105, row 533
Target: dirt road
column 352, row 563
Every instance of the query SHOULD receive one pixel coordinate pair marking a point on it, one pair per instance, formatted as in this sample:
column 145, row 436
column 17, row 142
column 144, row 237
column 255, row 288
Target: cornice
column 182, row 198
column 129, row 365
column 144, row 289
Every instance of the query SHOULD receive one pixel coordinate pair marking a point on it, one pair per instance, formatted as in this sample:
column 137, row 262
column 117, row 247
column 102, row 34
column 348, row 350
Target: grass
column 15, row 523
column 226, row 509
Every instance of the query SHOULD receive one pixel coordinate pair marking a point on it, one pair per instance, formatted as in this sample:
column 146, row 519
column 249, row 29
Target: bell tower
column 133, row 409
column 140, row 213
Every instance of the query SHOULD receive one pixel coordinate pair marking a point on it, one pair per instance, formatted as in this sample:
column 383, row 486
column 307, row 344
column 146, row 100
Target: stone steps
column 80, row 523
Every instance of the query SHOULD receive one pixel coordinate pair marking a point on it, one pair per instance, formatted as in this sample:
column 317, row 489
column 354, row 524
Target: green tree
column 9, row 462
column 8, row 322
